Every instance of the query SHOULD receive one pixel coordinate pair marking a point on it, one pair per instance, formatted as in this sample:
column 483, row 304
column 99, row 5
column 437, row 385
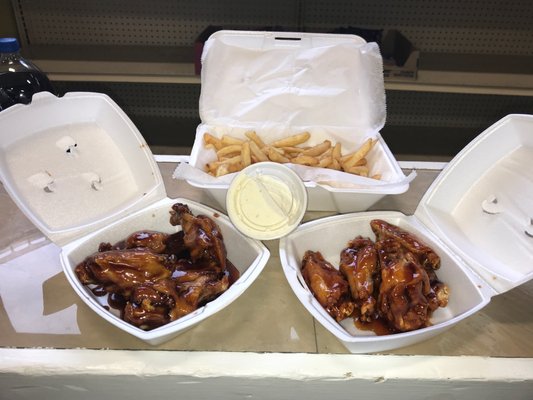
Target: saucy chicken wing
column 359, row 264
column 152, row 304
column 425, row 254
column 202, row 237
column 391, row 284
column 404, row 287
column 122, row 270
column 328, row 285
column 154, row 278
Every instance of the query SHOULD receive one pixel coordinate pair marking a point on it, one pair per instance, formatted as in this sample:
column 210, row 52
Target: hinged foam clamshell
column 477, row 215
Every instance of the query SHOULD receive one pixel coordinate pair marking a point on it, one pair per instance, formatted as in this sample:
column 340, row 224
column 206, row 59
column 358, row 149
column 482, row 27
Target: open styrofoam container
column 283, row 83
column 477, row 217
column 82, row 173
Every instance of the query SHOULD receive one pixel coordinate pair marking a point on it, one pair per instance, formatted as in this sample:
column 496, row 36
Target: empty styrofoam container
column 477, row 216
column 82, row 173
column 283, row 83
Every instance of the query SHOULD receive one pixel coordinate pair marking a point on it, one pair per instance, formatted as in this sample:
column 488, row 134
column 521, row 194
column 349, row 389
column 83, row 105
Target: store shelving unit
column 446, row 73
column 472, row 53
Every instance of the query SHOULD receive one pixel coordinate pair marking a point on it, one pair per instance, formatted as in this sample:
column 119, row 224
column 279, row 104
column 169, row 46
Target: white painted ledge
column 87, row 374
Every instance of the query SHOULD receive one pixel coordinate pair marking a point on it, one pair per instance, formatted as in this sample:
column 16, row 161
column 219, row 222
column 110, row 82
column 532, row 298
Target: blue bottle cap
column 9, row 45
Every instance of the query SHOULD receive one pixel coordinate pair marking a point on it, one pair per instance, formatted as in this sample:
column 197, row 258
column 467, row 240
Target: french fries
column 293, row 140
column 234, row 154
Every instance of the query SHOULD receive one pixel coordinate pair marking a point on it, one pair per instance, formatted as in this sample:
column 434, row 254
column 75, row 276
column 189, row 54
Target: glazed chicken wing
column 154, row 278
column 155, row 241
column 156, row 303
column 202, row 237
column 328, row 285
column 151, row 304
column 425, row 254
column 403, row 293
column 122, row 270
column 359, row 264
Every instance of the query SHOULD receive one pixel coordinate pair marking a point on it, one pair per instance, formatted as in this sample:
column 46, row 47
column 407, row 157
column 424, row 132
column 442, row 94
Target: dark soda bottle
column 19, row 78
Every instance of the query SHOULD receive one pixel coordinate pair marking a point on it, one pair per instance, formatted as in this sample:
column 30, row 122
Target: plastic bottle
column 19, row 78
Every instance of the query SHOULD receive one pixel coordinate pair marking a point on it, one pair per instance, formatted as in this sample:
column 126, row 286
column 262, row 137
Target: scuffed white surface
column 21, row 289
column 42, row 362
column 37, row 162
column 100, row 165
column 227, row 376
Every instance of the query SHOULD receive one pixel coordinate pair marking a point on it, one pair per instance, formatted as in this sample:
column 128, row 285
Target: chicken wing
column 154, row 278
column 328, row 285
column 359, row 264
column 151, row 304
column 155, row 241
column 404, row 287
column 122, row 270
column 425, row 254
column 202, row 237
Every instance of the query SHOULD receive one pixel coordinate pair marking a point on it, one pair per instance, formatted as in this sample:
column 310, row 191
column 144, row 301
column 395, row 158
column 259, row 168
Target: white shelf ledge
column 447, row 73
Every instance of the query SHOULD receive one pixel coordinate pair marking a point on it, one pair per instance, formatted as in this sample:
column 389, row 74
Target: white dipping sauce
column 264, row 206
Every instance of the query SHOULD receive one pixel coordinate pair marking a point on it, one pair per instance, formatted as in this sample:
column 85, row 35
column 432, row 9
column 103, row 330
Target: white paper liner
column 323, row 81
column 320, row 176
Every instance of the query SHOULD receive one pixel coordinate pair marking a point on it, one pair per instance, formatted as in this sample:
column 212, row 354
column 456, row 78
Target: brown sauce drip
column 379, row 326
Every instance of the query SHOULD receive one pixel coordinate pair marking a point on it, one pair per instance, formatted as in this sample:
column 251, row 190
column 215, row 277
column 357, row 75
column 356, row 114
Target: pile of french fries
column 234, row 154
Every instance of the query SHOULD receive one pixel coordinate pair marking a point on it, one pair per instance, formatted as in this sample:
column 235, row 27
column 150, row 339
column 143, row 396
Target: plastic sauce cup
column 266, row 201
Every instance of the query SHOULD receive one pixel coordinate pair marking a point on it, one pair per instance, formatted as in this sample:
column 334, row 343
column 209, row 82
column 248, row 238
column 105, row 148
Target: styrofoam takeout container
column 282, row 83
column 82, row 173
column 477, row 216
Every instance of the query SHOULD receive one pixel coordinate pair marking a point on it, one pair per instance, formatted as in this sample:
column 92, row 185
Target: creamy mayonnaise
column 264, row 206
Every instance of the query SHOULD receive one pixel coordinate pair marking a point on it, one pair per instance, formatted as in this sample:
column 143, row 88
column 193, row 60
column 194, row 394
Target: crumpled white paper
column 320, row 176
column 252, row 80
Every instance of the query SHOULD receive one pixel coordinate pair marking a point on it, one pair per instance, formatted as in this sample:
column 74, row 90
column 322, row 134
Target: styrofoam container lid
column 75, row 163
column 477, row 217
column 266, row 201
column 481, row 205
